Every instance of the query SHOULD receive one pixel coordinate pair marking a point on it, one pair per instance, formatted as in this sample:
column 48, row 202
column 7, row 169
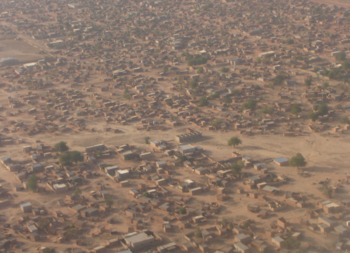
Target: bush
column 341, row 56
column 225, row 70
column 322, row 109
column 146, row 194
column 216, row 122
column 32, row 183
column 267, row 110
column 308, row 81
column 344, row 120
column 198, row 233
column 127, row 94
column 69, row 158
column 325, row 85
column 289, row 41
column 214, row 95
column 227, row 100
column 312, row 116
column 198, row 60
column 295, row 109
column 250, row 104
column 182, row 210
column 200, row 70
column 193, row 83
column 335, row 74
column 291, row 243
column 345, row 65
column 203, row 101
column 279, row 79
column 61, row 146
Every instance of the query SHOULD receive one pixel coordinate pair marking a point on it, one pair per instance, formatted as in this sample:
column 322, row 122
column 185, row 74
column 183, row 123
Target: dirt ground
column 19, row 49
column 339, row 3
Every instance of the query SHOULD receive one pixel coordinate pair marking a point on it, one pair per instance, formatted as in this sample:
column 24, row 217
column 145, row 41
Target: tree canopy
column 77, row 192
column 237, row 167
column 32, row 183
column 250, row 104
column 203, row 101
column 234, row 141
column 341, row 56
column 295, row 109
column 297, row 161
column 69, row 158
column 61, row 146
column 109, row 201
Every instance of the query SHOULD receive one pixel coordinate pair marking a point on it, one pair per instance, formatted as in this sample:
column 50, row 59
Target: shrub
column 295, row 109
column 250, row 104
column 203, row 101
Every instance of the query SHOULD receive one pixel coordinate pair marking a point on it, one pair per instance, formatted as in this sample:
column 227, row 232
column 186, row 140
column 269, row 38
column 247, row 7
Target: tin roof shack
column 328, row 222
column 281, row 161
column 26, row 207
column 329, row 207
column 243, row 238
column 278, row 241
column 128, row 155
column 186, row 149
column 241, row 247
column 140, row 240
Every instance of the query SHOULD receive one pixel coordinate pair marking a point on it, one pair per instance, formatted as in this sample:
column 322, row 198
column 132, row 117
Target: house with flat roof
column 137, row 240
column 241, row 247
column 281, row 161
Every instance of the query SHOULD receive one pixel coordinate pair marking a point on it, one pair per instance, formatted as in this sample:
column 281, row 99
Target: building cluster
column 189, row 68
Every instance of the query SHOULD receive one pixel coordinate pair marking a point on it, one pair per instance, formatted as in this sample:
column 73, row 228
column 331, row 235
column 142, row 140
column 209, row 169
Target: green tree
column 289, row 41
column 308, row 81
column 44, row 223
column 224, row 222
column 237, row 167
column 200, row 70
column 291, row 243
column 225, row 70
column 77, row 192
column 203, row 101
column 182, row 210
column 267, row 110
column 165, row 68
column 146, row 194
column 76, row 156
column 322, row 109
column 258, row 60
column 198, row 233
column 61, row 146
column 313, row 116
column 127, row 94
column 193, row 83
column 250, row 104
column 234, row 141
column 325, row 85
column 109, row 201
column 49, row 250
column 344, row 120
column 214, row 95
column 32, row 183
column 297, row 161
column 295, row 109
column 64, row 159
column 346, row 65
column 227, row 100
column 279, row 79
column 341, row 56
column 146, row 140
